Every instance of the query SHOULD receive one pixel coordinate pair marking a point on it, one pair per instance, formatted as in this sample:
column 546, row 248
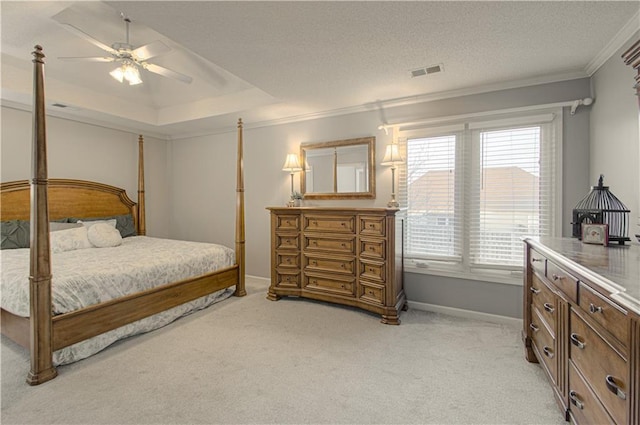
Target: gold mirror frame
column 370, row 142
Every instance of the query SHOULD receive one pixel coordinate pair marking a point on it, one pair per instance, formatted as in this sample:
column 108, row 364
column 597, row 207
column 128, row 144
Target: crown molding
column 625, row 33
column 147, row 129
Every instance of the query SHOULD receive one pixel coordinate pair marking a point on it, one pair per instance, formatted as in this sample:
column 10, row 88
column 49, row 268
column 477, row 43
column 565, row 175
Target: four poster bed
column 50, row 323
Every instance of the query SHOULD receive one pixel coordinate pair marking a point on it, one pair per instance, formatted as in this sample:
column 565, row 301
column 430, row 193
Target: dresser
column 582, row 324
column 350, row 256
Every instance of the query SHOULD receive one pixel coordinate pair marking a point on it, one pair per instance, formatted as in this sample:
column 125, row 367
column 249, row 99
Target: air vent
column 427, row 70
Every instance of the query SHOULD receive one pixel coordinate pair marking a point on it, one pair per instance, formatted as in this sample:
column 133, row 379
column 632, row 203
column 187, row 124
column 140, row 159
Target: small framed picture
column 595, row 233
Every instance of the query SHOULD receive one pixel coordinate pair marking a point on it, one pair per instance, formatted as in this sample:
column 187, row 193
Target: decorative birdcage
column 602, row 206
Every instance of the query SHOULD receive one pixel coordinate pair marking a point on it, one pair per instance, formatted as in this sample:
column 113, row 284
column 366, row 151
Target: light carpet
column 251, row 360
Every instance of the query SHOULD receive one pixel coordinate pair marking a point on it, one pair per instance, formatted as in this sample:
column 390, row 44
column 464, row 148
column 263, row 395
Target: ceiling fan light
column 132, row 75
column 117, row 74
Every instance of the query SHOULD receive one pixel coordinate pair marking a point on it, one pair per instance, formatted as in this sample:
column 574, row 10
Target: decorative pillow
column 103, row 235
column 55, row 226
column 70, row 239
column 124, row 223
column 15, row 234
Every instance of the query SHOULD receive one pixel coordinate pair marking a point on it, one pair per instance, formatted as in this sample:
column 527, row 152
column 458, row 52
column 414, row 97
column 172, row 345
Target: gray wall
column 615, row 137
column 191, row 182
column 202, row 169
column 88, row 152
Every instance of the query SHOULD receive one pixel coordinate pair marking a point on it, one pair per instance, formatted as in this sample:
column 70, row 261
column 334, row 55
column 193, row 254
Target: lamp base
column 393, row 204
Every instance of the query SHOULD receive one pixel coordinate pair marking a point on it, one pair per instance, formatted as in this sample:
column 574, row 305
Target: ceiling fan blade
column 167, row 72
column 90, row 39
column 150, row 50
column 88, row 59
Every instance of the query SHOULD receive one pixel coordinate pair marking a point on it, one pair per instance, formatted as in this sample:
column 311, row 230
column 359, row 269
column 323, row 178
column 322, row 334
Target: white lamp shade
column 391, row 155
column 128, row 72
column 292, row 164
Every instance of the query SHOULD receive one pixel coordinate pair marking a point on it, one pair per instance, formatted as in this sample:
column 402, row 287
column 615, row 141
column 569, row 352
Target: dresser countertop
column 615, row 268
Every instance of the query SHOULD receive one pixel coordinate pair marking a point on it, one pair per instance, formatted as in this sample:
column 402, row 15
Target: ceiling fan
column 130, row 58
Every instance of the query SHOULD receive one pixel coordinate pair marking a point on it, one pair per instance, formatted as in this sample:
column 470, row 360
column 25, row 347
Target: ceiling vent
column 433, row 69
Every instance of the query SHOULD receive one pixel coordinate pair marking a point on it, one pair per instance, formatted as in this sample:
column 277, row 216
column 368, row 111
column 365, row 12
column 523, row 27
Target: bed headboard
column 68, row 198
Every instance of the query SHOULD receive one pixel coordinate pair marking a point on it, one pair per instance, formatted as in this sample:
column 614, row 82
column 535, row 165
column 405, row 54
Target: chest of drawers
column 350, row 256
column 582, row 324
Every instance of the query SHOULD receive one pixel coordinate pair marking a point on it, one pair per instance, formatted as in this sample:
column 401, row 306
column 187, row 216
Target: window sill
column 492, row 276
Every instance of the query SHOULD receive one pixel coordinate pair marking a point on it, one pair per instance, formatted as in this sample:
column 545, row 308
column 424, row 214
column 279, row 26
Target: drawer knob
column 534, row 327
column 574, row 400
column 595, row 309
column 556, row 277
column 614, row 388
column 342, row 266
column 534, row 290
column 342, row 244
column 342, row 224
column 548, row 352
column 548, row 307
column 575, row 340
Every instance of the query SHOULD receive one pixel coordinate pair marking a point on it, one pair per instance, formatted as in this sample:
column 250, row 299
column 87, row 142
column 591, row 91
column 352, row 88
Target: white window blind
column 472, row 194
column 433, row 221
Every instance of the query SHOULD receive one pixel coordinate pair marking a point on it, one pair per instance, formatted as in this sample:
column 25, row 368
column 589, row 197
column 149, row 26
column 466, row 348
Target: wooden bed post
column 240, row 255
column 41, row 335
column 142, row 228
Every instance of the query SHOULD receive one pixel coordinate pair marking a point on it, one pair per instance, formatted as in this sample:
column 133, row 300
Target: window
column 474, row 189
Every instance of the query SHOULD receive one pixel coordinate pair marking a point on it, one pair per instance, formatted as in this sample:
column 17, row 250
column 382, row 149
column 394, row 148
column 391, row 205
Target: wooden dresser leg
column 272, row 297
column 390, row 319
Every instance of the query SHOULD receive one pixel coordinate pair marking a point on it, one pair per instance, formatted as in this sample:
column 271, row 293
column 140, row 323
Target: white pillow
column 103, row 235
column 69, row 239
column 88, row 224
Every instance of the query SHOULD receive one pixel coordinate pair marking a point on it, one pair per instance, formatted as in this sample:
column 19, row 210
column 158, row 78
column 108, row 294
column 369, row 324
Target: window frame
column 467, row 125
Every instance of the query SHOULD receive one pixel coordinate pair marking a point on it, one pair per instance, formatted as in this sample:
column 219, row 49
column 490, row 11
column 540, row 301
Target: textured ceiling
column 277, row 61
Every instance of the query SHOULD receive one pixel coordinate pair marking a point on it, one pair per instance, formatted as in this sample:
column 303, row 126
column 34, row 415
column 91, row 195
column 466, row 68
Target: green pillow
column 15, row 234
column 124, row 223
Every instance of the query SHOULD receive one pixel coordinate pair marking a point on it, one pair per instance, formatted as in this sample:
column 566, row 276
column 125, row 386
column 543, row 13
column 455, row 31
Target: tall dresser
column 582, row 324
column 350, row 256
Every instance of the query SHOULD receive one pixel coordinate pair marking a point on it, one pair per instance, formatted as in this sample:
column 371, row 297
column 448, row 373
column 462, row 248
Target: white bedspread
column 89, row 276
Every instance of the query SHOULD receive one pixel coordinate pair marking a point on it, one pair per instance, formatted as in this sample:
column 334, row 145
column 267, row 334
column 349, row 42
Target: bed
column 56, row 330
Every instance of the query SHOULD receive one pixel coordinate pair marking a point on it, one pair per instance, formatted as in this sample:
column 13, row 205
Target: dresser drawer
column 287, row 223
column 545, row 345
column 546, row 302
column 602, row 366
column 374, row 248
column 563, row 280
column 334, row 244
column 330, row 264
column 538, row 262
column 584, row 405
column 372, row 225
column 287, row 241
column 607, row 314
column 287, row 259
column 287, row 280
column 371, row 293
column 372, row 270
column 336, row 286
column 329, row 223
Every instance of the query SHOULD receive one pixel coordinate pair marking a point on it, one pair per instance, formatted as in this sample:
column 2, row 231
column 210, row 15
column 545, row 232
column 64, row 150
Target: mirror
column 342, row 169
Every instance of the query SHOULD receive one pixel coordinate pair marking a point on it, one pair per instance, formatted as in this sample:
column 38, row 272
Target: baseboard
column 467, row 314
column 266, row 279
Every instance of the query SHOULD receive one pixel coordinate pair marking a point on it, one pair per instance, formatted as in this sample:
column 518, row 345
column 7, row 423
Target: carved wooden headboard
column 68, row 198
